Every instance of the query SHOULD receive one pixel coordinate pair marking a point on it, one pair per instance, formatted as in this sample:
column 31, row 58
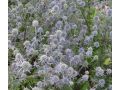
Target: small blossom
column 26, row 66
column 68, row 51
column 96, row 44
column 43, row 58
column 65, row 81
column 108, row 71
column 56, row 8
column 30, row 51
column 82, row 3
column 99, row 71
column 54, row 79
column 67, row 27
column 15, row 32
column 101, row 82
column 19, row 58
column 39, row 30
column 96, row 18
column 85, row 77
column 60, row 67
column 81, row 50
column 95, row 33
column 59, row 24
column 90, row 49
column 26, row 44
column 35, row 23
column 89, row 53
column 64, row 18
column 87, row 40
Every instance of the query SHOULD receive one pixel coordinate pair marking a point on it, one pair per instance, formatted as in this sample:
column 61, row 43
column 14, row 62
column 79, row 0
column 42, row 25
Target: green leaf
column 22, row 29
column 85, row 86
column 107, row 61
column 66, row 87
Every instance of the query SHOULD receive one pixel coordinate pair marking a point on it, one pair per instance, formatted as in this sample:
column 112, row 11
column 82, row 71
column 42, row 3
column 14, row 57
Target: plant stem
column 85, row 20
column 25, row 35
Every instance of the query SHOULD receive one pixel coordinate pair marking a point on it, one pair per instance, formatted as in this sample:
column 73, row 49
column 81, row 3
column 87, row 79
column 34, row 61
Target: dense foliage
column 60, row 44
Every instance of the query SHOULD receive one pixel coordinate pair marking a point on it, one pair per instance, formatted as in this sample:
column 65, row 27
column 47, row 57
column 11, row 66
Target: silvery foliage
column 60, row 42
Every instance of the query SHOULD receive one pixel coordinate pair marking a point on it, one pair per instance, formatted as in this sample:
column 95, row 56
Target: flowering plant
column 60, row 44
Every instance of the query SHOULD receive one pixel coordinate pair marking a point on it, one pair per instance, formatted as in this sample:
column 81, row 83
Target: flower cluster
column 60, row 44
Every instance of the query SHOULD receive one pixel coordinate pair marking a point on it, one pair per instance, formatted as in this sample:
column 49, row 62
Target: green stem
column 25, row 35
column 85, row 20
